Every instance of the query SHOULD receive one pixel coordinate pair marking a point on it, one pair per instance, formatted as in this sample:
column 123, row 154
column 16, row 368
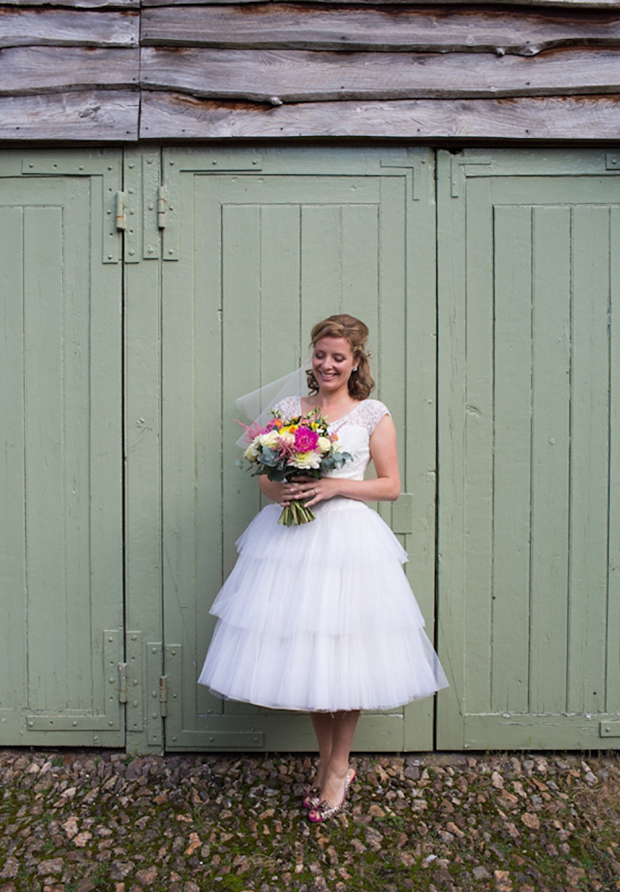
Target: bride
column 320, row 618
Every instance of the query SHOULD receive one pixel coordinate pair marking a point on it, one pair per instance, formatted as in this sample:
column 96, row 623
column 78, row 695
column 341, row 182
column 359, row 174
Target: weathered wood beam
column 78, row 4
column 103, row 116
column 560, row 4
column 284, row 25
column 299, row 76
column 175, row 116
column 63, row 27
column 29, row 70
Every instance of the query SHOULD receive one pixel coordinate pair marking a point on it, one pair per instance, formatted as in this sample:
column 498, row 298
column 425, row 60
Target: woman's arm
column 385, row 488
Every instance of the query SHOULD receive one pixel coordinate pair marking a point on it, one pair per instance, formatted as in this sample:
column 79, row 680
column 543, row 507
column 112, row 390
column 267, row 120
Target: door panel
column 264, row 253
column 528, row 274
column 61, row 511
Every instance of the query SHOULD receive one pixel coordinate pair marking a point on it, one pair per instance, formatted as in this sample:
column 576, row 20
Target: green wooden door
column 529, row 408
column 60, row 476
column 257, row 247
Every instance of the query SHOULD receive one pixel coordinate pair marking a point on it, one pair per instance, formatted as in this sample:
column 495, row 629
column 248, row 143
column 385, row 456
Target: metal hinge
column 122, row 682
column 119, row 204
column 163, row 696
column 161, row 207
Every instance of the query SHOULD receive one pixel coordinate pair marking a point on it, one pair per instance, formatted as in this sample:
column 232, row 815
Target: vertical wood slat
column 479, row 454
column 613, row 567
column 13, row 659
column 200, row 267
column 44, row 416
column 321, row 280
column 512, row 457
column 241, row 326
column 389, row 331
column 550, row 458
column 419, row 468
column 589, row 461
column 452, row 399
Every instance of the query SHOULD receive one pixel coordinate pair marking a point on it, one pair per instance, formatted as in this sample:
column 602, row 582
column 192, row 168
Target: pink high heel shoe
column 312, row 797
column 323, row 812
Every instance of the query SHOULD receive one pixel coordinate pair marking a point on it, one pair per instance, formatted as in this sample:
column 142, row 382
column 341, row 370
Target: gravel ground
column 82, row 821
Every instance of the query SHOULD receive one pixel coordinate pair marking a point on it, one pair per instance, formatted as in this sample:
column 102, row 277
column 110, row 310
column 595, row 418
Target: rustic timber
column 101, row 116
column 62, row 27
column 29, row 70
column 564, row 4
column 78, row 4
column 175, row 116
column 300, row 76
column 281, row 26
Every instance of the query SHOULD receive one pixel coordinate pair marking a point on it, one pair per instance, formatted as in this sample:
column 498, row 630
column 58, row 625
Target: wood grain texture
column 297, row 27
column 61, row 27
column 174, row 116
column 563, row 4
column 301, row 76
column 77, row 4
column 95, row 115
column 28, row 70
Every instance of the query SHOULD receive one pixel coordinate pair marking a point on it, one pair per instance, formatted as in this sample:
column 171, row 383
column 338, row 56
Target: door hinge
column 163, row 696
column 122, row 682
column 119, row 203
column 161, row 207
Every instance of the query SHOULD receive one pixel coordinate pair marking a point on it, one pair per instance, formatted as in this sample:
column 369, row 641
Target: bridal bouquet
column 288, row 447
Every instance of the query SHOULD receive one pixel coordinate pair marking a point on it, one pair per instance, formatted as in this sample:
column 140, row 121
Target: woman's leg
column 335, row 737
column 322, row 724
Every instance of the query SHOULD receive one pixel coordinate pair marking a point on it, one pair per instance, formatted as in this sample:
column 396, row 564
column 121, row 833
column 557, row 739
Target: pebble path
column 102, row 821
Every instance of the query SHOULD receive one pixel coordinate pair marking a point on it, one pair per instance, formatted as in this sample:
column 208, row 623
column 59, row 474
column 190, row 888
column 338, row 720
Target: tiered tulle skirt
column 320, row 617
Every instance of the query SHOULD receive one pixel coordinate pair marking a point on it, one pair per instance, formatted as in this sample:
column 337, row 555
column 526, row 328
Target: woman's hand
column 310, row 490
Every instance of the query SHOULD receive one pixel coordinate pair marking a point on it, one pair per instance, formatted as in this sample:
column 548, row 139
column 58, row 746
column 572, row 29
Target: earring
column 354, row 368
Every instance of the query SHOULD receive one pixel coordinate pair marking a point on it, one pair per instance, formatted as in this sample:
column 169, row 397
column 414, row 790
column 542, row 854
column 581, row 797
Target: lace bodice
column 354, row 431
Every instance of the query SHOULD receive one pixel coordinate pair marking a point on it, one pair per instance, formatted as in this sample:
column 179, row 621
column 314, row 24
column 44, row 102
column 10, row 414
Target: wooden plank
column 613, row 664
column 55, row 27
column 283, row 25
column 28, row 70
column 77, row 4
column 451, row 538
column 170, row 115
column 512, row 396
column 564, row 4
column 13, row 655
column 588, row 555
column 478, row 464
column 299, row 76
column 94, row 115
column 550, row 455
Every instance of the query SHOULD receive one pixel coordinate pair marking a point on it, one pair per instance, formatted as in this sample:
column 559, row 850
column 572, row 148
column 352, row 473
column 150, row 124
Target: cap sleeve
column 372, row 413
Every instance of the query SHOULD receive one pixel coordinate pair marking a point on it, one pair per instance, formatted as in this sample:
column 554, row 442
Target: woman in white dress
column 319, row 617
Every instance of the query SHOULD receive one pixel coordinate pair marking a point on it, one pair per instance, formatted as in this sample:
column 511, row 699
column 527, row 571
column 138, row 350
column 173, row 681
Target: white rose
column 270, row 440
column 251, row 452
column 306, row 460
column 324, row 444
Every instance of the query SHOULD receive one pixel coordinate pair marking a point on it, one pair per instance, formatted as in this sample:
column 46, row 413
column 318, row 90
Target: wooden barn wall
column 125, row 70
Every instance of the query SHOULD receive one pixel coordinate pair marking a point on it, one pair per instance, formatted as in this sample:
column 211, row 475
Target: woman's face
column 332, row 363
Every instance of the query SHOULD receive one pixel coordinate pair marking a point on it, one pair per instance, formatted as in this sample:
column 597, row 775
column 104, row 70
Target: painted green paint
column 61, row 512
column 264, row 248
column 528, row 247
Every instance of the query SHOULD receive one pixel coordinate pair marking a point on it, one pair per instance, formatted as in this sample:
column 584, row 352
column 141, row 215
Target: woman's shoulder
column 371, row 412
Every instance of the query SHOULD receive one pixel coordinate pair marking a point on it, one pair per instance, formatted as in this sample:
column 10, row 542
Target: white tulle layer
column 320, row 617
